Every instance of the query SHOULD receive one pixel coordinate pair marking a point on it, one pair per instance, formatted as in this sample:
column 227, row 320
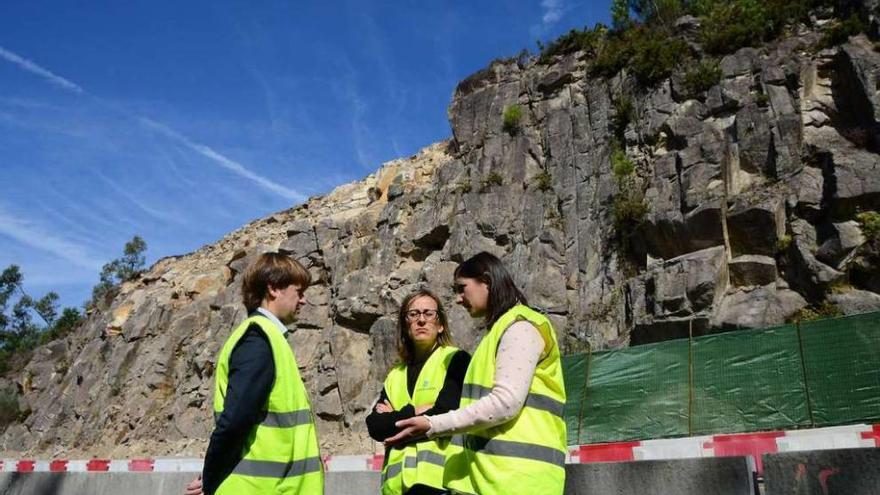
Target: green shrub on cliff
column 702, row 76
column 586, row 40
column 821, row 311
column 869, row 221
column 645, row 38
column 729, row 26
column 840, row 32
column 544, row 181
column 493, row 179
column 621, row 165
column 120, row 270
column 783, row 243
column 511, row 119
column 656, row 55
column 628, row 208
column 9, row 411
column 650, row 54
column 613, row 55
column 624, row 113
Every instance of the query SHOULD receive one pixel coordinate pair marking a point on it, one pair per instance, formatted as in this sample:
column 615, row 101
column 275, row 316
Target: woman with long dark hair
column 427, row 380
column 511, row 424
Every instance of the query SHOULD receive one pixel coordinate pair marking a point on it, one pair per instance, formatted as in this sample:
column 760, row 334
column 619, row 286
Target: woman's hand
column 421, row 409
column 411, row 429
column 384, row 407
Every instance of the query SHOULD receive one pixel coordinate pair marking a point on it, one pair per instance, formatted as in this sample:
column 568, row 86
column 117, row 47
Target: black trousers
column 425, row 490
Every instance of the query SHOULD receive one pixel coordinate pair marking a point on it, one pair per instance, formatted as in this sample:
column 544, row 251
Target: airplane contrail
column 44, row 73
column 37, row 238
column 227, row 163
column 204, row 150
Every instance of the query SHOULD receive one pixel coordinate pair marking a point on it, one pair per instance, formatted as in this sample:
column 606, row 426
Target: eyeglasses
column 429, row 314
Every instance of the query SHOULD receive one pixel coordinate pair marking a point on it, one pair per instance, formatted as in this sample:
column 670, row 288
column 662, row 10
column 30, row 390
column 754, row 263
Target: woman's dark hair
column 274, row 270
column 503, row 293
column 405, row 348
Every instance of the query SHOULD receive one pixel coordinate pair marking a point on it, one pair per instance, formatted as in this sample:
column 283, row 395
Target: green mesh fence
column 750, row 380
column 638, row 392
column 574, row 368
column 795, row 376
column 842, row 362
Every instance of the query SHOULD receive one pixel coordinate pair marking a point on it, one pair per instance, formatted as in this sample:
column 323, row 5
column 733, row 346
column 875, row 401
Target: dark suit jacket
column 251, row 375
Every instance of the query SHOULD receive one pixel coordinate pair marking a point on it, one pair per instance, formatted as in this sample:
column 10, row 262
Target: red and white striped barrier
column 737, row 444
column 874, row 435
column 349, row 463
column 101, row 465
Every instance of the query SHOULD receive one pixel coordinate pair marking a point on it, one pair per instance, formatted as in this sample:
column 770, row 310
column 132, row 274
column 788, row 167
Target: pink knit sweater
column 519, row 351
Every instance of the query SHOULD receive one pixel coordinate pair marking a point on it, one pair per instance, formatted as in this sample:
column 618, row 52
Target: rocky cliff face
column 751, row 189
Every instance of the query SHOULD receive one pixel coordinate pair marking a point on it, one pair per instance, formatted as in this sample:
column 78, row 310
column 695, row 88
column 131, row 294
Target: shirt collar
column 274, row 319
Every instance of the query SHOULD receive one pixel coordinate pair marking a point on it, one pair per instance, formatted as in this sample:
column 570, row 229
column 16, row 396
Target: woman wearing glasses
column 426, row 381
column 513, row 432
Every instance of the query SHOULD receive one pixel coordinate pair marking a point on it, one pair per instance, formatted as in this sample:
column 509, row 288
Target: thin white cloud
column 83, row 215
column 36, row 237
column 143, row 206
column 169, row 156
column 360, row 133
column 201, row 149
column 396, row 147
column 553, row 10
column 44, row 73
column 359, row 129
column 26, row 103
column 227, row 163
column 444, row 34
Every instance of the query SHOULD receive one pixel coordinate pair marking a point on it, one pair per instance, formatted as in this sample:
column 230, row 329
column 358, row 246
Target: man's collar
column 274, row 319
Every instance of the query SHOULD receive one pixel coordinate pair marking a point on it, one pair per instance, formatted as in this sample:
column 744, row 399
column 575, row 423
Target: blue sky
column 182, row 121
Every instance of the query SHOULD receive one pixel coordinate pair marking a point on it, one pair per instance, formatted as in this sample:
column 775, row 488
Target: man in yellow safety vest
column 264, row 440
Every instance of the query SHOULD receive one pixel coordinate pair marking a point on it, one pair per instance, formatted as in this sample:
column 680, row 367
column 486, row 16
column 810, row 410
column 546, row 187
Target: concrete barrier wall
column 702, row 476
column 823, row 472
column 339, row 483
column 715, row 476
column 352, row 483
column 93, row 483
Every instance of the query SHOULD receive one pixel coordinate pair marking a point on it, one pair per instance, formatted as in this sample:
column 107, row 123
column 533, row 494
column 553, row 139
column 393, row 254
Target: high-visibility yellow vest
column 281, row 454
column 422, row 462
column 525, row 455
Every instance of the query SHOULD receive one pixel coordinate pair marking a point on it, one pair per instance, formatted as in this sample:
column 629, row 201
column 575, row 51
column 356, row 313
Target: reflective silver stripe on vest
column 287, row 420
column 412, row 462
column 457, row 440
column 432, row 458
column 535, row 401
column 507, row 448
column 391, row 471
column 282, row 420
column 271, row 469
column 544, row 403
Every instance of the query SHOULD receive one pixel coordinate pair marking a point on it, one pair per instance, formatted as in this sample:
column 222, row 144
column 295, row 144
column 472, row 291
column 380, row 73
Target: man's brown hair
column 274, row 270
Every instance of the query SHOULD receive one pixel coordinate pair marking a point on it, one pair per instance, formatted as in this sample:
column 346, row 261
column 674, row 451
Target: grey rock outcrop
column 752, row 269
column 749, row 218
column 855, row 301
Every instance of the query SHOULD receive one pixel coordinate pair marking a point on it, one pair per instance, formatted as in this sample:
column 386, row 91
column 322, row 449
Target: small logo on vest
column 425, row 384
